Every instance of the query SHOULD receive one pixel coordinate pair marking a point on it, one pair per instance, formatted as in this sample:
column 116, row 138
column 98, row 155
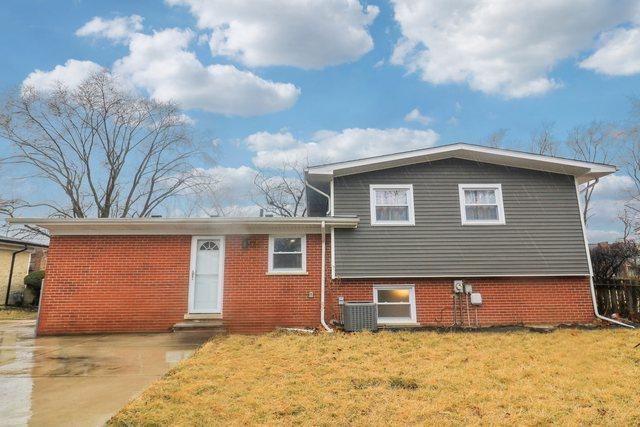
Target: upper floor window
column 287, row 254
column 481, row 204
column 392, row 205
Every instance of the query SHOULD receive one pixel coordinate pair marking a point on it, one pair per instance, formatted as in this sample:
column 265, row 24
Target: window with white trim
column 396, row 303
column 287, row 254
column 391, row 204
column 481, row 204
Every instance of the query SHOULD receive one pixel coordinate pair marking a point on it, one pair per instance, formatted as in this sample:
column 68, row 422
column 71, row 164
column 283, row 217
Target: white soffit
column 583, row 171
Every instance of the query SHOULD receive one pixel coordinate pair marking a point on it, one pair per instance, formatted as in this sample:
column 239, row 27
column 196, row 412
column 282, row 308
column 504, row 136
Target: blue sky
column 497, row 66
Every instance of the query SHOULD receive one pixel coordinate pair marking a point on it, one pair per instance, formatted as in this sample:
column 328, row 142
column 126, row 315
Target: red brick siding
column 115, row 284
column 140, row 283
column 505, row 300
column 257, row 302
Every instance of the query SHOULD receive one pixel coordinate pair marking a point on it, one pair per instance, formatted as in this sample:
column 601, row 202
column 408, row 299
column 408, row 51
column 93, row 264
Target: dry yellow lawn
column 565, row 377
column 17, row 314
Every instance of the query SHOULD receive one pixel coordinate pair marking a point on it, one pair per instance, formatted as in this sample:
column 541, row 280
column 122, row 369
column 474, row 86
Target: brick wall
column 505, row 300
column 140, row 284
column 115, row 284
column 257, row 302
column 38, row 259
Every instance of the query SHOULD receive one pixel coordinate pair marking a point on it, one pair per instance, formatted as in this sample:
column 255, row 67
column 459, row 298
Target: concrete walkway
column 80, row 380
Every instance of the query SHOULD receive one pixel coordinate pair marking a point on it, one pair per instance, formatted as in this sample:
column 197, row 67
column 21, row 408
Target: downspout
column 317, row 190
column 323, row 273
column 323, row 280
column 591, row 285
column 13, row 262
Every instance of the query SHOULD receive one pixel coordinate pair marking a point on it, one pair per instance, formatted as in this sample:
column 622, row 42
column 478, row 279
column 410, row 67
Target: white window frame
column 499, row 202
column 372, row 202
column 412, row 302
column 303, row 248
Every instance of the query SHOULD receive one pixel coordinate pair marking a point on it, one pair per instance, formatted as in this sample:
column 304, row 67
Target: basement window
column 287, row 254
column 481, row 204
column 391, row 204
column 396, row 303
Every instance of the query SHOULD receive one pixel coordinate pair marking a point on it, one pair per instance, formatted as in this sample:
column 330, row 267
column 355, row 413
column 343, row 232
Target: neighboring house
column 15, row 261
column 397, row 230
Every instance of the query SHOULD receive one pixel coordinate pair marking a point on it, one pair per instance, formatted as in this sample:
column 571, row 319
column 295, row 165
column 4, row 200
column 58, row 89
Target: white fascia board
column 584, row 171
column 185, row 226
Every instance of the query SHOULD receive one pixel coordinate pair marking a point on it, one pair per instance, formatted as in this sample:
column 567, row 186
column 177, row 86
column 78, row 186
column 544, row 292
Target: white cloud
column 186, row 119
column 275, row 149
column 118, row 30
column 618, row 54
column 305, row 34
column 69, row 75
column 597, row 236
column 232, row 182
column 416, row 116
column 161, row 64
column 235, row 186
column 614, row 187
column 607, row 203
column 500, row 47
column 232, row 191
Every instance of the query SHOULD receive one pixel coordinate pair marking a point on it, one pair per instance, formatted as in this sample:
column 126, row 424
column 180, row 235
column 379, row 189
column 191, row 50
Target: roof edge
column 155, row 221
column 186, row 226
column 579, row 168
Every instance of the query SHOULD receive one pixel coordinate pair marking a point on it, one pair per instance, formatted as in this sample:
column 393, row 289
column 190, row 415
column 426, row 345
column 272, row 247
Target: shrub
column 34, row 279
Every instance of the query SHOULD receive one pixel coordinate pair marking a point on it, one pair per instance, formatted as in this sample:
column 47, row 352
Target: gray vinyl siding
column 542, row 234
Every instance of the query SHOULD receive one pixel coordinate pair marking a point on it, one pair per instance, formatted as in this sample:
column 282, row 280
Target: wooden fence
column 619, row 296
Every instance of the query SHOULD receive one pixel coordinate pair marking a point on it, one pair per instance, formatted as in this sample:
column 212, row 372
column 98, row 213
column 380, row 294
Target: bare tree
column 628, row 224
column 630, row 159
column 281, row 191
column 216, row 195
column 112, row 153
column 592, row 143
column 9, row 209
column 609, row 259
column 496, row 138
column 543, row 140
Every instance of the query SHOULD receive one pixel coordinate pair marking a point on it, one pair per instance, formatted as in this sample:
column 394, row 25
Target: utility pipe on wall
column 323, row 280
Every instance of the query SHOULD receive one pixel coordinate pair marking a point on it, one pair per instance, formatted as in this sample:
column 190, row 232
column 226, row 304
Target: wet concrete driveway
column 80, row 380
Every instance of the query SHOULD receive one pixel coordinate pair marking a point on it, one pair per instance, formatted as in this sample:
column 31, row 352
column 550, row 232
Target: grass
column 14, row 313
column 522, row 378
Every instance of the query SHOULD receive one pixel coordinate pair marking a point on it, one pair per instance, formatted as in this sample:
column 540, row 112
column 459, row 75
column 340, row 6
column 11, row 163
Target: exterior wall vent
column 360, row 316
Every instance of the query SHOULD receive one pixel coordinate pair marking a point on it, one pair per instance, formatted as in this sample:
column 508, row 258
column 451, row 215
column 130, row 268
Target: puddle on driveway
column 80, row 380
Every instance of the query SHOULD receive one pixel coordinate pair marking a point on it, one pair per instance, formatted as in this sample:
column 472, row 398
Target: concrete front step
column 214, row 325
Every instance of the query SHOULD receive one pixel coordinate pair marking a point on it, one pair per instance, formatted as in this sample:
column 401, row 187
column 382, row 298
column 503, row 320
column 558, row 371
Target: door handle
column 193, row 274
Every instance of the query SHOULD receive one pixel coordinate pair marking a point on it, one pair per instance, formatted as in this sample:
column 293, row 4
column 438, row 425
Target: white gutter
column 323, row 280
column 591, row 285
column 192, row 226
column 105, row 222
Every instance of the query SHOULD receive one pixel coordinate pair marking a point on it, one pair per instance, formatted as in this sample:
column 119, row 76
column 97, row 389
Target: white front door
column 207, row 268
